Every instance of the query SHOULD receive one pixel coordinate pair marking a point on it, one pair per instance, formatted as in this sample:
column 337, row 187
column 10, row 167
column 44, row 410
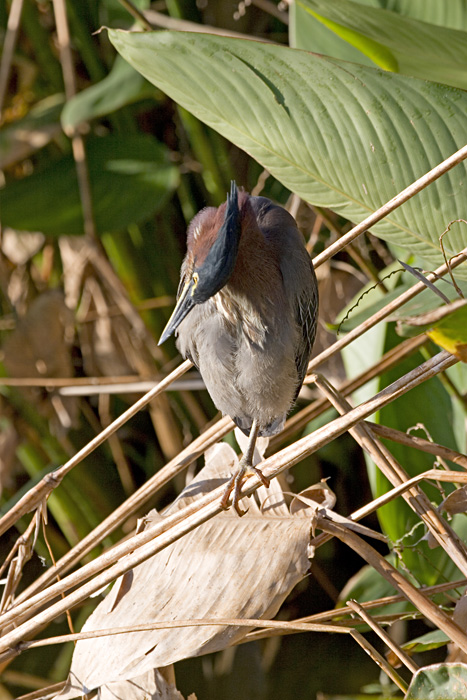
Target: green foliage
column 349, row 139
column 131, row 178
column 390, row 40
column 447, row 681
column 167, row 120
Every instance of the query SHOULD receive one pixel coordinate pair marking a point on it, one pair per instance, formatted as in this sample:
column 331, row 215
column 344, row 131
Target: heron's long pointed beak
column 184, row 305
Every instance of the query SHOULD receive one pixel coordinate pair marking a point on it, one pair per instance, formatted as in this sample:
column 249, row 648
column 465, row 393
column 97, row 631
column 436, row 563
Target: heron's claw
column 235, row 484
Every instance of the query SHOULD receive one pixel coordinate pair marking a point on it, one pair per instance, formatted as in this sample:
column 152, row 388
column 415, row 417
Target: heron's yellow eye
column 195, row 279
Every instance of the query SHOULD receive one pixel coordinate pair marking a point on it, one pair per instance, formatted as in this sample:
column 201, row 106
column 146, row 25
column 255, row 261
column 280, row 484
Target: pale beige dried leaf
column 20, row 247
column 230, row 567
column 104, row 342
column 74, row 253
column 150, row 686
column 316, row 496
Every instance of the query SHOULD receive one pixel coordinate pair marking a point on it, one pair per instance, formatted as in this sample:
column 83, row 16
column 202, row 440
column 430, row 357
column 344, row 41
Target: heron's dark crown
column 213, row 240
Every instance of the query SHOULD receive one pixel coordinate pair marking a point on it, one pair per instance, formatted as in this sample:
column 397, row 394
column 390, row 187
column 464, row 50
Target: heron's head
column 213, row 240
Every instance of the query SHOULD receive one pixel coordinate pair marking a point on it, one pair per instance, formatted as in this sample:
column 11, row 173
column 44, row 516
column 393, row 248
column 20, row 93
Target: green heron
column 246, row 315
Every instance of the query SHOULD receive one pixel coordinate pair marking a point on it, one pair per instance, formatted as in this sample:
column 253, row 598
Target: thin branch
column 386, row 310
column 367, row 605
column 380, row 660
column 395, row 473
column 393, row 204
column 414, row 595
column 9, row 44
column 77, row 141
column 161, row 534
column 284, row 625
column 46, row 485
column 382, row 634
column 184, row 25
column 419, row 443
column 137, row 14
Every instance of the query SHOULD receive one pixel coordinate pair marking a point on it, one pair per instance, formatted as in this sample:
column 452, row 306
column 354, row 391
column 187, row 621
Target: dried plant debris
column 40, row 347
column 229, row 567
column 150, row 686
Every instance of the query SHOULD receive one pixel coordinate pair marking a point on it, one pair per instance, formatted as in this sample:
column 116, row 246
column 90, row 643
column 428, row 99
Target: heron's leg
column 245, row 470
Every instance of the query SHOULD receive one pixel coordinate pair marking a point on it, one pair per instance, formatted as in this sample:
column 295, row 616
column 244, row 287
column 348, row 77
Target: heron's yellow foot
column 235, row 483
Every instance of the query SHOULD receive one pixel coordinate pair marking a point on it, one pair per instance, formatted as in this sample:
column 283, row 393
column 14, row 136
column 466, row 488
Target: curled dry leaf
column 229, row 567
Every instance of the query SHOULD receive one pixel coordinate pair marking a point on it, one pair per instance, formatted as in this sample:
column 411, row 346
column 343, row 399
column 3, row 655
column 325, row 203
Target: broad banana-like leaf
column 340, row 135
column 391, row 41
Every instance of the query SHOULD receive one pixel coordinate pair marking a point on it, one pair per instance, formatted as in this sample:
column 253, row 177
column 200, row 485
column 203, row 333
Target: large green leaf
column 340, row 135
column 391, row 41
column 452, row 13
column 121, row 87
column 130, row 179
column 307, row 32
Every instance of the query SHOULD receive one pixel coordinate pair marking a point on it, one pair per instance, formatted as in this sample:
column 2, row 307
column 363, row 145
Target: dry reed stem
column 47, row 693
column 394, row 472
column 282, row 625
column 46, row 485
column 147, row 543
column 393, row 204
column 380, row 660
column 77, row 140
column 208, row 438
column 382, row 634
column 414, row 595
column 367, row 605
column 389, row 360
column 368, row 508
column 9, row 43
column 132, row 504
column 418, row 443
column 387, row 310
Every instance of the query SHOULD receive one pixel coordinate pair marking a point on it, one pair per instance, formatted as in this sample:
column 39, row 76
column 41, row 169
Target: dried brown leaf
column 230, row 567
column 456, row 502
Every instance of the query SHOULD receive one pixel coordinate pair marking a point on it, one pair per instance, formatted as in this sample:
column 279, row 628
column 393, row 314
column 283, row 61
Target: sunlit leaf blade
column 431, row 640
column 130, row 179
column 451, row 332
column 392, row 41
column 445, row 325
column 340, row 135
column 307, row 32
column 445, row 14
